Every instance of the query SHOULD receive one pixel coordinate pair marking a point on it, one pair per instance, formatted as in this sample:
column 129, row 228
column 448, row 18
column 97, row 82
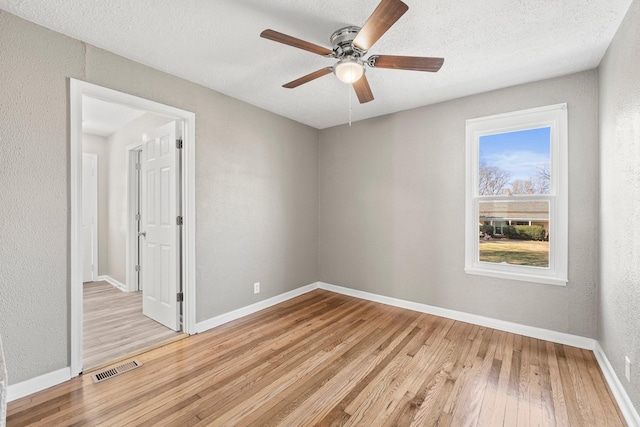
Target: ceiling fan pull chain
column 350, row 108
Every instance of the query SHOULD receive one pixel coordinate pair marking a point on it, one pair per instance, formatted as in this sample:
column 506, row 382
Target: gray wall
column 34, row 196
column 619, row 291
column 256, row 191
column 392, row 206
column 97, row 145
column 256, row 187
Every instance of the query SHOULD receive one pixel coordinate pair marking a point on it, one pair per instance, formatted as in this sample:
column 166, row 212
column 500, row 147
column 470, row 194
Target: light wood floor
column 327, row 359
column 114, row 325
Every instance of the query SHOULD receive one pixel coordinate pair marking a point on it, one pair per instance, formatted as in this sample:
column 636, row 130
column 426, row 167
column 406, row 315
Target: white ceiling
column 104, row 118
column 486, row 45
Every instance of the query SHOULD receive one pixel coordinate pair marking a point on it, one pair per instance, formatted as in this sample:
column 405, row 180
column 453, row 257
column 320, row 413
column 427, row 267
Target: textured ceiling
column 486, row 45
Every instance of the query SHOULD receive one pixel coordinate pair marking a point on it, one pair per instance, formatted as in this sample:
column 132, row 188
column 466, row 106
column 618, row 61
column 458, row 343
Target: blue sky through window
column 520, row 153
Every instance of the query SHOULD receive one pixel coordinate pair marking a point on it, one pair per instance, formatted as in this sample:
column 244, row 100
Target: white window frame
column 555, row 117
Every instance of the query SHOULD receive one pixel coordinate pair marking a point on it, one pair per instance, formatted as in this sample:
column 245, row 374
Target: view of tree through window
column 515, row 230
column 515, row 162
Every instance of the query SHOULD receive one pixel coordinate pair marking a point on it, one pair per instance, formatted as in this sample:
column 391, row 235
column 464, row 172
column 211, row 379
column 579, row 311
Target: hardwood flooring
column 114, row 325
column 331, row 360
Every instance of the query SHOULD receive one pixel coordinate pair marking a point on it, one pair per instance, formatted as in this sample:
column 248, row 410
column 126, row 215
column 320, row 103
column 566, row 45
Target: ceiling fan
column 351, row 44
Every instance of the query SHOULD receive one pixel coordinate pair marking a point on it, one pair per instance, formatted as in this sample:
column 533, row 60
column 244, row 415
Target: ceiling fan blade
column 385, row 15
column 306, row 79
column 414, row 63
column 363, row 90
column 292, row 41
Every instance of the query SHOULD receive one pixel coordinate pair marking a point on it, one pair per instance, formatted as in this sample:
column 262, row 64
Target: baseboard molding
column 51, row 379
column 250, row 309
column 34, row 385
column 619, row 393
column 113, row 282
column 516, row 328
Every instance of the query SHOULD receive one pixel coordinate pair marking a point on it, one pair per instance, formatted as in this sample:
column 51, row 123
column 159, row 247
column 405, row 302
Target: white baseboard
column 626, row 407
column 42, row 382
column 34, row 385
column 622, row 398
column 250, row 309
column 516, row 328
column 113, row 282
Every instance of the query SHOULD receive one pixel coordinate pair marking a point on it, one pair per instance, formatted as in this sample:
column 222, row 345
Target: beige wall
column 256, row 191
column 619, row 234
column 97, row 145
column 392, row 206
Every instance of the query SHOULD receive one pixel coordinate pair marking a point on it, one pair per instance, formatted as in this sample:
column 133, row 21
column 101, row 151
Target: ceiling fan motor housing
column 342, row 42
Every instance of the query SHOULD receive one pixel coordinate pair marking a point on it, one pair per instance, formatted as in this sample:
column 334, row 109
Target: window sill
column 547, row 280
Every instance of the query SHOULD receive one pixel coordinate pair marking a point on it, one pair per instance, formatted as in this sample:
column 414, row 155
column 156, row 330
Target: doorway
column 186, row 206
column 118, row 318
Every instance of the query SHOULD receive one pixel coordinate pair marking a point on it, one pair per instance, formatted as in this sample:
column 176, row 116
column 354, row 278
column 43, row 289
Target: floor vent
column 112, row 372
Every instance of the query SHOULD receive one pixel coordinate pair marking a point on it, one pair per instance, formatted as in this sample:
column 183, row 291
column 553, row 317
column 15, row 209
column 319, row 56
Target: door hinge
column 180, row 296
column 178, row 143
column 179, row 220
column 138, row 218
column 138, row 166
column 137, row 268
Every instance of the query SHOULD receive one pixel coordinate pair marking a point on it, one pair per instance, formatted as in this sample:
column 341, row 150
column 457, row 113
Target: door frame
column 78, row 88
column 94, row 207
column 133, row 194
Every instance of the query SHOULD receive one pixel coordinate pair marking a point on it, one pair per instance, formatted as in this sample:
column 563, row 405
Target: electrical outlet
column 256, row 288
column 627, row 368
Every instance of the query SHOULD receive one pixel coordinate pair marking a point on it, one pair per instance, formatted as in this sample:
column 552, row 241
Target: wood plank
column 327, row 359
column 114, row 325
column 503, row 392
column 555, row 382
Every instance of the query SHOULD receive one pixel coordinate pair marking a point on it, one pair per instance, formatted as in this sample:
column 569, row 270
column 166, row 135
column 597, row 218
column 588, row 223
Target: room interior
column 289, row 194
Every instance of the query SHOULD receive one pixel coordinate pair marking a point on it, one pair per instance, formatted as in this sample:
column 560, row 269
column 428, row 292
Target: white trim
column 96, row 211
column 619, row 393
column 34, row 385
column 189, row 228
column 554, row 117
column 253, row 308
column 516, row 328
column 132, row 198
column 630, row 414
column 79, row 88
column 75, row 158
column 515, row 276
column 113, row 282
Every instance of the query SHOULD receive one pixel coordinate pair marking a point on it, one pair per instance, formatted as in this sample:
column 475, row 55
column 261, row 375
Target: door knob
column 142, row 233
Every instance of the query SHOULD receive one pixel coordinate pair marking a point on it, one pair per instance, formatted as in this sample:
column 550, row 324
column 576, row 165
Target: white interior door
column 159, row 213
column 89, row 217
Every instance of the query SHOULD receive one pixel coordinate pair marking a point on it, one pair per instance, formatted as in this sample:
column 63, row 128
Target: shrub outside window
column 516, row 195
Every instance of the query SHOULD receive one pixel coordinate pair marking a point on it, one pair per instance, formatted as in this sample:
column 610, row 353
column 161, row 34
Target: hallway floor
column 114, row 325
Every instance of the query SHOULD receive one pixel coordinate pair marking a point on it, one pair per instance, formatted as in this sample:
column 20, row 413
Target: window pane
column 515, row 162
column 514, row 232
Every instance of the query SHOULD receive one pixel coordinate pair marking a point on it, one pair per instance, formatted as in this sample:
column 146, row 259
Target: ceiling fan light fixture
column 349, row 70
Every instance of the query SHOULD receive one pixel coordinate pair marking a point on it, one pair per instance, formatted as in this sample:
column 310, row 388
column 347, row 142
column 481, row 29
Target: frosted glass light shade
column 348, row 70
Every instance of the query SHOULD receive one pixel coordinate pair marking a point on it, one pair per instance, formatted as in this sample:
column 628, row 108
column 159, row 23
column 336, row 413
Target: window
column 516, row 195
